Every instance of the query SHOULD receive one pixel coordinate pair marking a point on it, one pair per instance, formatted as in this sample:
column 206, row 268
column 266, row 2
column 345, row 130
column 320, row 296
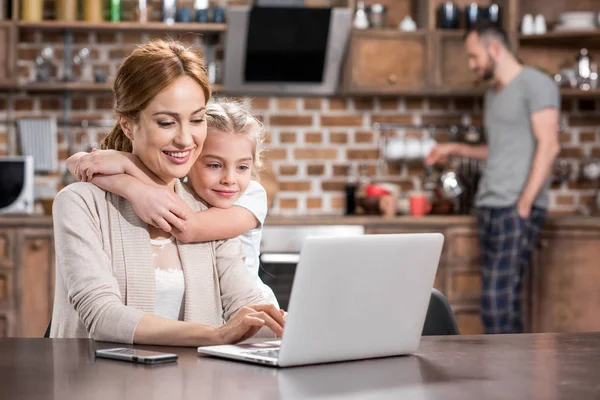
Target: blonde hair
column 149, row 69
column 231, row 116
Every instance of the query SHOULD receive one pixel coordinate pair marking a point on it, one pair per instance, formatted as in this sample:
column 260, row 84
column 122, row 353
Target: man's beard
column 488, row 73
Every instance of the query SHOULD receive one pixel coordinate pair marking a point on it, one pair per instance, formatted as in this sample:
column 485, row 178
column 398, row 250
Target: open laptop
column 353, row 298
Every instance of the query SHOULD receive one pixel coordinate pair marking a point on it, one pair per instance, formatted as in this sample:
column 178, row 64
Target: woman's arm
column 94, row 292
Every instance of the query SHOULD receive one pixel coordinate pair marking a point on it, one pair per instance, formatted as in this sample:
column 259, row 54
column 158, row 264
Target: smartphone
column 136, row 356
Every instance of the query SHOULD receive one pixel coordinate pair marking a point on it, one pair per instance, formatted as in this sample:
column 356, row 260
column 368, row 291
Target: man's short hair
column 487, row 30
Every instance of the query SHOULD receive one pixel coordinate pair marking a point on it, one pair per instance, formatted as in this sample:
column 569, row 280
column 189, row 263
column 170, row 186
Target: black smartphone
column 136, row 356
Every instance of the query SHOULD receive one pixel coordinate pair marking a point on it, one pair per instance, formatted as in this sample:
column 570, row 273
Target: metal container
column 378, row 16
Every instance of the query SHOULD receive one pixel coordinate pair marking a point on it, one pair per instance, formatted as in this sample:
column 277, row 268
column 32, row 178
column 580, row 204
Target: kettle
column 445, row 182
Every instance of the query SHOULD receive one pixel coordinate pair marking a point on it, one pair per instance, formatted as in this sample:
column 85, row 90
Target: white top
column 254, row 200
column 170, row 283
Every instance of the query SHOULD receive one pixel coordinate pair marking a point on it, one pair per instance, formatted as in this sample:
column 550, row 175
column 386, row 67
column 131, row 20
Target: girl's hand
column 160, row 207
column 100, row 162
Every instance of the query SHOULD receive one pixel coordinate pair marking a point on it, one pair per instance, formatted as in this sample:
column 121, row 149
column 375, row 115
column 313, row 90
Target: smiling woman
column 121, row 280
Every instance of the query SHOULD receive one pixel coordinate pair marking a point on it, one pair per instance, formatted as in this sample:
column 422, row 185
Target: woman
column 109, row 261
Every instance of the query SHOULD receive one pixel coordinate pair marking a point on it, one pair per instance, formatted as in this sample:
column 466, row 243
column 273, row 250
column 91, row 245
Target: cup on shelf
column 408, row 24
column 527, row 25
column 539, row 24
column 419, row 204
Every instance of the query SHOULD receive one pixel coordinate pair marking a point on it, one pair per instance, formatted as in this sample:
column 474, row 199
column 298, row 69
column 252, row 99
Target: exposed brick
column 103, row 102
column 415, row 169
column 3, row 104
column 27, row 36
column 562, row 213
column 413, row 135
column 333, row 186
column 565, row 200
column 571, row 152
column 287, row 104
column 117, row 54
column 581, row 185
column 50, row 104
column 52, row 37
column 438, row 104
column 267, row 137
column 338, row 138
column 315, row 170
column 24, row 71
column 464, row 104
column 106, row 38
column 588, row 120
column 338, row 104
column 565, row 137
column 276, row 154
column 362, row 154
column 3, row 152
column 315, row 154
column 294, row 186
column 313, row 137
column 364, row 137
column 23, row 104
column 442, row 119
column 587, row 137
column 63, row 154
column 587, row 105
column 312, row 104
column 392, row 119
column 340, row 170
column 81, row 37
column 288, row 170
column 28, row 54
column 338, row 203
column 260, row 103
column 290, row 120
column 346, row 120
column 287, row 137
column 132, row 37
column 413, row 103
column 314, row 202
column 388, row 104
column 3, row 138
column 365, row 103
column 566, row 105
column 287, row 204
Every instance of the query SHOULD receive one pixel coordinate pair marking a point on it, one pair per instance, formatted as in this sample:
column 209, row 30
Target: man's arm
column 441, row 152
column 545, row 129
column 479, row 152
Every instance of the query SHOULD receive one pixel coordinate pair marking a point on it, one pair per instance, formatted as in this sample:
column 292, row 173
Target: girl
column 222, row 177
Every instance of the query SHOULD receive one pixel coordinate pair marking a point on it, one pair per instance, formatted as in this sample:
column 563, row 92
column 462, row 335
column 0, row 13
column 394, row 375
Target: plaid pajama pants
column 506, row 243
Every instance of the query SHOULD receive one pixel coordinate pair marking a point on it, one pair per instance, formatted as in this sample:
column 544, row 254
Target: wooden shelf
column 7, row 23
column 583, row 94
column 71, row 86
column 6, row 84
column 576, row 39
column 122, row 26
column 451, row 33
column 387, row 33
column 424, row 92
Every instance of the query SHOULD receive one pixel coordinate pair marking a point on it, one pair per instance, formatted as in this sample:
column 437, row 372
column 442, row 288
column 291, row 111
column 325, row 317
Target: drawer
column 7, row 248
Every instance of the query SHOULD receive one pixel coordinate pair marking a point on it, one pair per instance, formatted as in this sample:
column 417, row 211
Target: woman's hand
column 248, row 321
column 101, row 162
column 160, row 207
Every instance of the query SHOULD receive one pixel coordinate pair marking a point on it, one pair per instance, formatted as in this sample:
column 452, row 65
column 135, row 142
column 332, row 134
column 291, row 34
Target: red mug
column 419, row 205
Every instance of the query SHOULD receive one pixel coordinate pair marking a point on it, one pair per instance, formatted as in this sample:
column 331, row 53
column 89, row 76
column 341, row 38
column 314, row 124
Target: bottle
column 115, row 10
column 66, row 10
column 361, row 20
column 92, row 11
column 201, row 8
column 169, row 11
column 350, row 190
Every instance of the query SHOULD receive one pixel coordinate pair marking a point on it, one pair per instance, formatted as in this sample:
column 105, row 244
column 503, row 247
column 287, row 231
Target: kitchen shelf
column 387, row 33
column 7, row 23
column 451, row 33
column 418, row 92
column 583, row 94
column 6, row 84
column 563, row 38
column 121, row 26
column 71, row 86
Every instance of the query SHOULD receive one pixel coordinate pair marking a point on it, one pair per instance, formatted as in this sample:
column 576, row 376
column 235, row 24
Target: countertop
column 566, row 222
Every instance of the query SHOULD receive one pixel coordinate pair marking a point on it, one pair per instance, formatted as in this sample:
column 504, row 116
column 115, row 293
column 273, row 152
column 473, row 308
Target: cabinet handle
column 36, row 244
column 392, row 79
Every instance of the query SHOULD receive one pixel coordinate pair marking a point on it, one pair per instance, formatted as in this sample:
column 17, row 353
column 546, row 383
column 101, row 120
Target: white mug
column 539, row 24
column 527, row 26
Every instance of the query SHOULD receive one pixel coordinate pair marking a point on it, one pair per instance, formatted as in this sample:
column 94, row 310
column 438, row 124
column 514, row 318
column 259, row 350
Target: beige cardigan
column 105, row 271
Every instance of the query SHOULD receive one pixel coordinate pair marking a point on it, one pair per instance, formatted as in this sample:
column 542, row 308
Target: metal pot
column 446, row 182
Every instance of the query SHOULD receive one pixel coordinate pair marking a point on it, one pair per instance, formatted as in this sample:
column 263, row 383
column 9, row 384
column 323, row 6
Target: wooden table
column 543, row 366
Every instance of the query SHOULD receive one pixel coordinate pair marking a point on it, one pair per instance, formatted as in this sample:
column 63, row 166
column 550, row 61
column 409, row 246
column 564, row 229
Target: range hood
column 285, row 50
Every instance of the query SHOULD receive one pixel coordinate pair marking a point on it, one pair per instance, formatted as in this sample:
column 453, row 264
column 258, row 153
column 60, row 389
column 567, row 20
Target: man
column 521, row 117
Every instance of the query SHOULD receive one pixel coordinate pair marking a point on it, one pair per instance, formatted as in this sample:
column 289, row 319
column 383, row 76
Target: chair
column 440, row 318
column 47, row 334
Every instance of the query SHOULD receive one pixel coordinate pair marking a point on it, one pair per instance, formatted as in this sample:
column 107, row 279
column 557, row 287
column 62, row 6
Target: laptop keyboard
column 273, row 353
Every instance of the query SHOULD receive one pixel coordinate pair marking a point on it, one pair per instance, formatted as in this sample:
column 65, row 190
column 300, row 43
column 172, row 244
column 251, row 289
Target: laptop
column 352, row 298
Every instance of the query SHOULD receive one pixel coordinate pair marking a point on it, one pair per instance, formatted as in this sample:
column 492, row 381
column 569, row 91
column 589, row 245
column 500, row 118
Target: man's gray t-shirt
column 510, row 139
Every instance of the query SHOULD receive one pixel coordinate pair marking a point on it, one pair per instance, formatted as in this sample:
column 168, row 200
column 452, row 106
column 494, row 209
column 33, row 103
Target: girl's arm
column 248, row 213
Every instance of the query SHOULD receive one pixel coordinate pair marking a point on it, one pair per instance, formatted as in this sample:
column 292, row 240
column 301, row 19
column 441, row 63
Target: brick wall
column 311, row 140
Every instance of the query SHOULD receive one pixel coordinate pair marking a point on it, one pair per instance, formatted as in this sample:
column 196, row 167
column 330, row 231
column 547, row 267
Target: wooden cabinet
column 565, row 281
column 26, row 277
column 386, row 61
